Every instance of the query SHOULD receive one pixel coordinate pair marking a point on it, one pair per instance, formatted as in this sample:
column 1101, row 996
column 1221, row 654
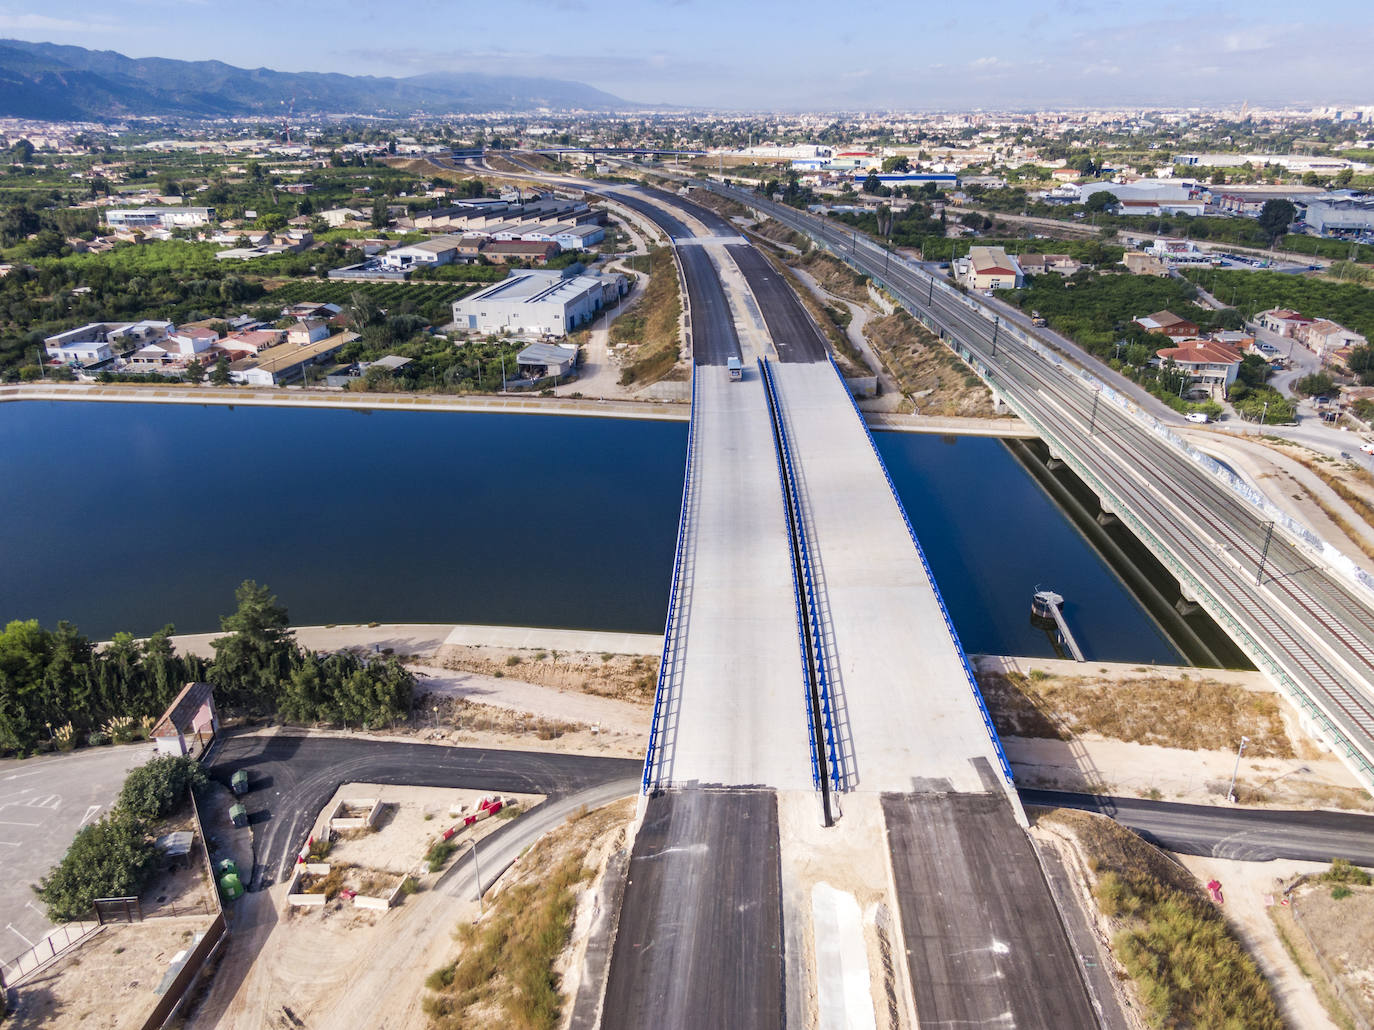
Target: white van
column 736, row 368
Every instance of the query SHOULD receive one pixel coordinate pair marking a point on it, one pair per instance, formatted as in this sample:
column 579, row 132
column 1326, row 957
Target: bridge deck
column 737, row 715
column 908, row 717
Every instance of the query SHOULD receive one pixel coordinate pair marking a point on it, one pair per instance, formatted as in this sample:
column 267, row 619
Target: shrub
column 1340, row 892
column 153, row 790
column 439, row 853
column 110, row 858
column 1343, row 871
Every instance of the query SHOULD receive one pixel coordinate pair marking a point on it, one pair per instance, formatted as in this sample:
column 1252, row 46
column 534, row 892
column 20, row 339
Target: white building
column 159, row 217
column 537, row 303
column 97, row 342
column 1341, row 214
column 426, row 254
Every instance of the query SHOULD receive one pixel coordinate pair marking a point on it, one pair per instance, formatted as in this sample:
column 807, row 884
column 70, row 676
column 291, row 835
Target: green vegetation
column 433, row 302
column 110, row 858
column 1088, row 252
column 439, row 853
column 51, row 678
column 504, row 974
column 1189, row 968
column 1344, row 871
column 155, row 789
column 1252, row 292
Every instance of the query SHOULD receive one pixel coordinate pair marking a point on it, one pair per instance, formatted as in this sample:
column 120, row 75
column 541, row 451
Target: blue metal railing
column 796, row 583
column 651, row 756
column 920, row 552
column 806, row 588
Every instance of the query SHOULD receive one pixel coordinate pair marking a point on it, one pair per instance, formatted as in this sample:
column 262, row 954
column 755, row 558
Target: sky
column 769, row 55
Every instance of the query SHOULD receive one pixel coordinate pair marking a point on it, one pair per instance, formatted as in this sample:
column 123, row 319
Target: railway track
column 1310, row 629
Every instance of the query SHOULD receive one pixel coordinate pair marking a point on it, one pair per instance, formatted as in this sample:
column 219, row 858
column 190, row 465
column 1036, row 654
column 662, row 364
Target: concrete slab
column 907, row 717
column 843, row 998
column 700, row 936
column 737, row 715
column 984, row 943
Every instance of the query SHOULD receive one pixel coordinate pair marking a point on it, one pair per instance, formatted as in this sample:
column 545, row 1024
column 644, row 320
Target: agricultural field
column 431, row 301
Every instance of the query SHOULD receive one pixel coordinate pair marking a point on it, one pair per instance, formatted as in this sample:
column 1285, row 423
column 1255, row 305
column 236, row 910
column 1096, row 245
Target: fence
column 175, row 991
column 1352, row 1005
column 807, row 584
column 939, row 599
column 24, row 965
column 669, row 643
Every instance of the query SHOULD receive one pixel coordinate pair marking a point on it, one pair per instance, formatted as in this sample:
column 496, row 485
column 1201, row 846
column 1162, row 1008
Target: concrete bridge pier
column 1187, row 602
column 1106, row 514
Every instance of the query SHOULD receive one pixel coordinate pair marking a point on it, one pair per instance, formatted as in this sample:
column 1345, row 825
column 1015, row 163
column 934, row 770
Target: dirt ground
column 1163, row 734
column 411, row 820
column 107, row 982
column 932, row 376
column 1342, row 931
column 1250, row 889
column 623, row 677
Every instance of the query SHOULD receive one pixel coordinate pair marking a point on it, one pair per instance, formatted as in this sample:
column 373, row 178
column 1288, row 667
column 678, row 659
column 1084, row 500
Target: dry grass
column 504, row 975
column 1164, row 711
column 927, row 371
column 835, row 276
column 474, row 717
column 1189, row 968
column 620, row 676
column 651, row 330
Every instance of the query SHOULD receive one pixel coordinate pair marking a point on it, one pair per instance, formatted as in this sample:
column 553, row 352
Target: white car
column 1197, row 416
column 1367, row 447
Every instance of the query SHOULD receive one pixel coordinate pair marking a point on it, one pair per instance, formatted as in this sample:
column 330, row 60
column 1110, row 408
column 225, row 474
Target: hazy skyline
column 804, row 55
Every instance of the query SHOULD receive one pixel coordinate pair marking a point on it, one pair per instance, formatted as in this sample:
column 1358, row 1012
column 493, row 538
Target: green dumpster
column 231, row 886
column 239, row 782
column 227, row 867
column 238, row 815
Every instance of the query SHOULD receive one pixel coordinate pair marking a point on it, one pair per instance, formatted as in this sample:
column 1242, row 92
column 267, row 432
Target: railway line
column 1306, row 626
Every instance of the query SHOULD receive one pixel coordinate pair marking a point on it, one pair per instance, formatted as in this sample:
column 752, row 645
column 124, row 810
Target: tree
column 897, row 164
column 305, row 207
column 22, row 151
column 1344, row 177
column 257, row 653
column 110, row 858
column 872, row 184
column 156, row 788
column 1276, row 216
column 379, row 214
column 195, row 372
column 1100, row 201
column 219, row 375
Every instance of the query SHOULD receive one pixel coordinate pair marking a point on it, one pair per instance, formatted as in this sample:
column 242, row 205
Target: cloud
column 39, row 23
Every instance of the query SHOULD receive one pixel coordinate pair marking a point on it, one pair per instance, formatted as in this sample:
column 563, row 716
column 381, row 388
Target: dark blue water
column 992, row 537
column 121, row 516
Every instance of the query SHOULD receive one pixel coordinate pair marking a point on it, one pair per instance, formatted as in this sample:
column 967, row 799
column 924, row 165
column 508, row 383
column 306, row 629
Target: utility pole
column 1231, row 791
column 996, row 324
column 1092, row 419
column 1264, row 553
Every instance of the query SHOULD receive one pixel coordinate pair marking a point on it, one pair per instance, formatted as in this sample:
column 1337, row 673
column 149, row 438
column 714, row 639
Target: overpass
column 814, row 700
column 1302, row 612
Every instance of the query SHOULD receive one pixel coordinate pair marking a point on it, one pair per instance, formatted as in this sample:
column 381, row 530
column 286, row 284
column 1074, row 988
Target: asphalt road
column 291, row 777
column 794, row 332
column 700, row 937
column 714, row 339
column 43, row 802
column 984, row 941
column 1247, row 834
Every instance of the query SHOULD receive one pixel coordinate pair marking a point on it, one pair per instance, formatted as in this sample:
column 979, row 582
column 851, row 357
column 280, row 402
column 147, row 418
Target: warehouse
column 537, row 303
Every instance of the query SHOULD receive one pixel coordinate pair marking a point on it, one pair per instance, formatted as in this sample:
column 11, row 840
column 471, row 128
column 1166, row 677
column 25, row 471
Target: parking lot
column 43, row 802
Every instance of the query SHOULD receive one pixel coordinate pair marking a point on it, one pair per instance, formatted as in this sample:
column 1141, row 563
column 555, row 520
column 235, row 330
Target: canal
column 129, row 516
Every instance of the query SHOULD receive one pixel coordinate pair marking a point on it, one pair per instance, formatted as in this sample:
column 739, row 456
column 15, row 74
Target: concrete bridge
column 819, row 743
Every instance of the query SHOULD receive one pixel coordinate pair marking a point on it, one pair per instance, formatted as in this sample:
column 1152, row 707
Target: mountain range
column 70, row 83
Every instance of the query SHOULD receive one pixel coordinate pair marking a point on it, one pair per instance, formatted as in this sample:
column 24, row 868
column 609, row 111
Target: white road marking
column 53, row 801
column 8, row 822
column 10, row 927
column 90, row 811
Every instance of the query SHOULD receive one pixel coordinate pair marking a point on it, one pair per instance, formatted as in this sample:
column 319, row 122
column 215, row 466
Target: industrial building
column 1341, row 215
column 537, row 303
column 97, row 342
column 989, row 268
column 287, row 361
column 159, row 217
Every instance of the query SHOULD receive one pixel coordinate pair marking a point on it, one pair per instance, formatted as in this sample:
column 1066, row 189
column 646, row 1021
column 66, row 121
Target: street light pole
column 1231, row 791
column 996, row 324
